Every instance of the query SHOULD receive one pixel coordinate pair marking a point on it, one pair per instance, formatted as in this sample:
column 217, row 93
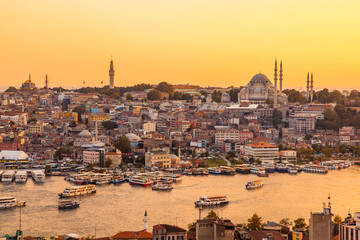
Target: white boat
column 254, row 184
column 161, row 186
column 10, row 202
column 214, row 170
column 38, row 175
column 21, row 176
column 293, row 171
column 78, row 191
column 8, row 176
column 211, row 201
column 140, row 181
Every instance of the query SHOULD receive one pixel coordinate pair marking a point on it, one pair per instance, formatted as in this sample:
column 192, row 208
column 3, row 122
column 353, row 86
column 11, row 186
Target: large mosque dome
column 260, row 78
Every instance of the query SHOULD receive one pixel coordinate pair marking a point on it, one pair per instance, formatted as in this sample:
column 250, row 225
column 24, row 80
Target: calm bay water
column 122, row 207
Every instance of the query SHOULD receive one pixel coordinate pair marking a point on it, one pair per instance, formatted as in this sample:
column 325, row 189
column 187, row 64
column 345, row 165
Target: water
column 122, row 207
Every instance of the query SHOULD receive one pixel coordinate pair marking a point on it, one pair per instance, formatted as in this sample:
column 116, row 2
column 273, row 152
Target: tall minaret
column 111, row 74
column 145, row 220
column 281, row 77
column 307, row 88
column 275, row 81
column 46, row 82
column 311, row 88
column 29, row 77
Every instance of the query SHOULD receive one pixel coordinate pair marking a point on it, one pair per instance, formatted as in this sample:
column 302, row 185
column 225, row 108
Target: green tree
column 255, row 223
column 72, row 124
column 286, row 222
column 192, row 227
column 109, row 125
column 32, row 120
column 234, row 94
column 337, row 219
column 108, row 162
column 61, row 152
column 212, row 215
column 216, row 96
column 154, row 94
column 230, row 155
column 327, row 151
column 295, row 96
column 165, row 87
column 79, row 110
column 123, row 144
column 300, row 224
column 277, row 118
column 129, row 97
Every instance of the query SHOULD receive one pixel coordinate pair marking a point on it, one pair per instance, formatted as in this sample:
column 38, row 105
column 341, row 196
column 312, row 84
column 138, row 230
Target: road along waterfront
column 121, row 207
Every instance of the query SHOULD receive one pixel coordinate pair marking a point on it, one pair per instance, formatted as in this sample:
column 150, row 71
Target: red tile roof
column 133, row 235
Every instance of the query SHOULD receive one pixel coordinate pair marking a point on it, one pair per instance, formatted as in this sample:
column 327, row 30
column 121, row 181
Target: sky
column 204, row 42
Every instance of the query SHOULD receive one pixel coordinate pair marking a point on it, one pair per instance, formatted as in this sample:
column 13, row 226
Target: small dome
column 132, row 137
column 225, row 95
column 85, row 134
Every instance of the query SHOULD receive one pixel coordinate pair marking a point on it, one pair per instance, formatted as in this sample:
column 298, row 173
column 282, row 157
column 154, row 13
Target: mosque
column 28, row 85
column 260, row 88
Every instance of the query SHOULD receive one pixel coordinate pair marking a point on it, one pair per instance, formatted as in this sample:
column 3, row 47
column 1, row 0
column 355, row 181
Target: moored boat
column 21, row 176
column 211, row 201
column 38, row 175
column 10, row 202
column 214, row 170
column 8, row 176
column 140, row 181
column 254, row 184
column 78, row 191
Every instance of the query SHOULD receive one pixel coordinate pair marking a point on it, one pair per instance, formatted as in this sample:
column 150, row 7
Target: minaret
column 145, row 220
column 111, row 74
column 281, row 76
column 29, row 77
column 275, row 81
column 311, row 88
column 46, row 82
column 307, row 88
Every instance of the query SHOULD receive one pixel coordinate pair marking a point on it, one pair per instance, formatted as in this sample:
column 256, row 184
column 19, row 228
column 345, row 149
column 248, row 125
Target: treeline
column 339, row 117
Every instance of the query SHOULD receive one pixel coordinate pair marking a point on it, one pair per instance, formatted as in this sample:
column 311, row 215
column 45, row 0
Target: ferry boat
column 68, row 204
column 21, row 176
column 227, row 171
column 161, row 186
column 188, row 172
column 176, row 178
column 216, row 171
column 140, row 181
column 254, row 184
column 38, row 175
column 78, row 191
column 211, row 201
column 262, row 173
column 315, row 169
column 242, row 169
column 8, row 176
column 10, row 202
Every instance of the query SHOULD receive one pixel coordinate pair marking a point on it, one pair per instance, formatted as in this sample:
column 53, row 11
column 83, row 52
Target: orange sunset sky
column 205, row 42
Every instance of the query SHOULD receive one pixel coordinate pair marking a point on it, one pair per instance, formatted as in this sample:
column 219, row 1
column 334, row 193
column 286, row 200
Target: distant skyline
column 204, row 42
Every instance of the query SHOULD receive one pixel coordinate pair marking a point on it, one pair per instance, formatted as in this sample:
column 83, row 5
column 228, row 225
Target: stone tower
column 111, row 74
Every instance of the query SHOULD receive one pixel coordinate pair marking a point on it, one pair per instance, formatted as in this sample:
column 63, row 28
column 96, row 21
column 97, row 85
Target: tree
column 255, row 223
column 327, row 151
column 154, row 94
column 32, row 120
column 299, row 223
column 216, row 96
column 230, row 155
column 11, row 89
column 72, row 124
column 277, row 118
column 61, row 152
column 123, row 144
column 295, row 96
column 192, row 227
column 79, row 110
column 109, row 125
column 165, row 87
column 212, row 215
column 286, row 222
column 108, row 162
column 129, row 97
column 337, row 219
column 234, row 94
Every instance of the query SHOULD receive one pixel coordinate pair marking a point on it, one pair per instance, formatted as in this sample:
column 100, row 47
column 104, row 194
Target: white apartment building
column 302, row 123
column 149, row 127
column 226, row 134
column 350, row 228
column 266, row 152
